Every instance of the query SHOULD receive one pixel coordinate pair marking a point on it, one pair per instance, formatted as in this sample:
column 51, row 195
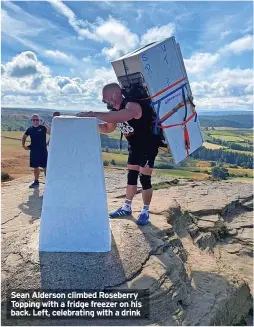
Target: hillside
column 195, row 256
column 13, row 119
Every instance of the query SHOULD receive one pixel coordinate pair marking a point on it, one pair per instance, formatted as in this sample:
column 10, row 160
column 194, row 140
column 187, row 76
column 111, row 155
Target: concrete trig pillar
column 74, row 212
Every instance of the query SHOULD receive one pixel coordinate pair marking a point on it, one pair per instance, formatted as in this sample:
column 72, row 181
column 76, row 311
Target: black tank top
column 138, row 132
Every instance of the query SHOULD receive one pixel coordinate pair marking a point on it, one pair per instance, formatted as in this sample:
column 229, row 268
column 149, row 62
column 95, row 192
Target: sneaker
column 143, row 218
column 120, row 212
column 34, row 185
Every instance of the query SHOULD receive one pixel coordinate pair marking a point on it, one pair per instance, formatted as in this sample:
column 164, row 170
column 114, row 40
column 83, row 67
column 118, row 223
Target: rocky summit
column 195, row 256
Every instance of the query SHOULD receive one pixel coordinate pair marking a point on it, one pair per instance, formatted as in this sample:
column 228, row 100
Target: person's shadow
column 32, row 207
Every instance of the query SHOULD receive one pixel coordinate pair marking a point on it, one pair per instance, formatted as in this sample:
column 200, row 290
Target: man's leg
column 145, row 180
column 36, row 174
column 146, row 170
column 35, row 184
column 34, row 164
column 131, row 188
column 132, row 181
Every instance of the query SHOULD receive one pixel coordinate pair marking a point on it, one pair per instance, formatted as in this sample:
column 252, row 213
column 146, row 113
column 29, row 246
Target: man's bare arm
column 47, row 127
column 107, row 127
column 132, row 110
column 24, row 137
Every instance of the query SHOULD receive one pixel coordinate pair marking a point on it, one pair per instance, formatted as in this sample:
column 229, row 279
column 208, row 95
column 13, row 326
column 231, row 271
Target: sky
column 58, row 54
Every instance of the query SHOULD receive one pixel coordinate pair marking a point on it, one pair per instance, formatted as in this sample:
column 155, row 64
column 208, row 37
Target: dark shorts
column 142, row 157
column 38, row 159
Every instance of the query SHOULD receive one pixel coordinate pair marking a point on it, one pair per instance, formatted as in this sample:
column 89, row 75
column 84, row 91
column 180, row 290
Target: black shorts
column 142, row 157
column 38, row 159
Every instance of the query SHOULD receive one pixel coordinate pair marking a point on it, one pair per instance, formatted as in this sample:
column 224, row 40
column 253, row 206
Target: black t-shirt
column 139, row 132
column 38, row 138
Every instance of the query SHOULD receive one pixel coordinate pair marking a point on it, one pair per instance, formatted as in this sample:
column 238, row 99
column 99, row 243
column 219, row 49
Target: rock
column 192, row 230
column 233, row 248
column 205, row 241
column 232, row 231
column 212, row 218
column 247, row 204
column 204, row 224
column 187, row 285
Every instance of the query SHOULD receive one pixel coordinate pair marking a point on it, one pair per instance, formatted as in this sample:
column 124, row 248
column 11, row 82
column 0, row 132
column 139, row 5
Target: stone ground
column 195, row 256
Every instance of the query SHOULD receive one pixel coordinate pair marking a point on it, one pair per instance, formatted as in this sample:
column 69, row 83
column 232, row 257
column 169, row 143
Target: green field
column 190, row 168
column 15, row 134
column 232, row 135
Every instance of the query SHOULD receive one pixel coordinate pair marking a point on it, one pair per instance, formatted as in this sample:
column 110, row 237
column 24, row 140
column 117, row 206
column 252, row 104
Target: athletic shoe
column 120, row 212
column 34, row 185
column 143, row 218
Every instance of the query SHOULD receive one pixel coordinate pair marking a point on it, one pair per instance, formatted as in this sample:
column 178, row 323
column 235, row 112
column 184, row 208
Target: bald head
column 112, row 95
column 112, row 87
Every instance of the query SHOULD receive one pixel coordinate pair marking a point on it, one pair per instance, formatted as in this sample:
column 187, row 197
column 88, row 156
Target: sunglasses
column 34, row 119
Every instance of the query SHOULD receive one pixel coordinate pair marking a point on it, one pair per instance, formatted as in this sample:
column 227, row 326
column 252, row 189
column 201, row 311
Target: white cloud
column 241, row 45
column 27, row 78
column 118, row 35
column 224, row 34
column 72, row 88
column 200, row 62
column 229, row 88
column 158, row 33
column 59, row 55
column 77, row 24
column 14, row 27
column 25, row 64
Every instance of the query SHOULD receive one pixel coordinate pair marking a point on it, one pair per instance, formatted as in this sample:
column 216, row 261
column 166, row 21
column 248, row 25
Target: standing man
column 38, row 147
column 135, row 123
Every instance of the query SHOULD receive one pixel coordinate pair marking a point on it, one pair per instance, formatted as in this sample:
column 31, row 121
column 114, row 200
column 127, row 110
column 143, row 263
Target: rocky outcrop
column 194, row 256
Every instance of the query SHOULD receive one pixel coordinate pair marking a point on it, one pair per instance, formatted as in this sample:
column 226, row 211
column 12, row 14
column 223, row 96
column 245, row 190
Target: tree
column 213, row 163
column 105, row 163
column 107, row 149
column 9, row 129
column 113, row 163
column 22, row 128
column 220, row 173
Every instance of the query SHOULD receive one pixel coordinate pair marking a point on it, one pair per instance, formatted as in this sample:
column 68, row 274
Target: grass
column 212, row 146
column 241, row 171
column 115, row 135
column 17, row 134
column 233, row 135
column 180, row 173
column 13, row 148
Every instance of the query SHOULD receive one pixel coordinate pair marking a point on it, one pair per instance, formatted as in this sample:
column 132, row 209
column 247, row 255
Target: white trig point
column 74, row 212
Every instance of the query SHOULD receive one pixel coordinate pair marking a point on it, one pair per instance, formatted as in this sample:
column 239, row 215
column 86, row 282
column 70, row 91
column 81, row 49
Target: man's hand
column 86, row 114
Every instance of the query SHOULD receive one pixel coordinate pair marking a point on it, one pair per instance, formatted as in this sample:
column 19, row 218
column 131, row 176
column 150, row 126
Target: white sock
column 145, row 209
column 127, row 205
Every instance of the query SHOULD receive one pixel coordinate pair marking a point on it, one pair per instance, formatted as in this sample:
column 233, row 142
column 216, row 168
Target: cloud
column 72, row 88
column 39, row 87
column 240, row 45
column 3, row 69
column 14, row 27
column 200, row 62
column 77, row 24
column 229, row 88
column 118, row 35
column 158, row 33
column 59, row 56
column 25, row 64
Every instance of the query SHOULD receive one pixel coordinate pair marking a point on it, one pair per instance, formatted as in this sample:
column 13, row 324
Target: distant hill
column 236, row 120
column 19, row 118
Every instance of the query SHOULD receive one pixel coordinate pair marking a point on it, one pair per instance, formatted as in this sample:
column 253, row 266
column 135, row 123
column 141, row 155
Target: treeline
column 237, row 121
column 231, row 145
column 110, row 143
column 239, row 159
